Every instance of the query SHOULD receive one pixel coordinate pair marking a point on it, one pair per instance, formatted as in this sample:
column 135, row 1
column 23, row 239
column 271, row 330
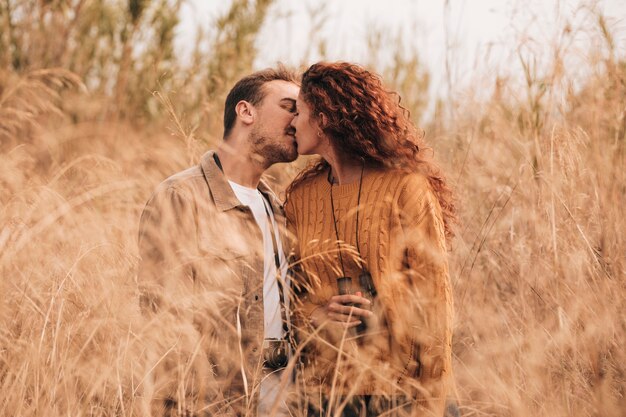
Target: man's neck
column 239, row 166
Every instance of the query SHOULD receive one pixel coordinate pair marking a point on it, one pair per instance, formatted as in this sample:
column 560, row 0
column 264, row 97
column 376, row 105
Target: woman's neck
column 343, row 170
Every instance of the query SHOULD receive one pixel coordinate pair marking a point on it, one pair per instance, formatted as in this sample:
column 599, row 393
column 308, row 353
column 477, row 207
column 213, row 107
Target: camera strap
column 279, row 281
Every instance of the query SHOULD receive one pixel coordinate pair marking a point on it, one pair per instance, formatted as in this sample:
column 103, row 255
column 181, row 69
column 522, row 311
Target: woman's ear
column 245, row 112
column 323, row 120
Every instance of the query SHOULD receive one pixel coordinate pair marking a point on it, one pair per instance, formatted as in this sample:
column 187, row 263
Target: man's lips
column 290, row 131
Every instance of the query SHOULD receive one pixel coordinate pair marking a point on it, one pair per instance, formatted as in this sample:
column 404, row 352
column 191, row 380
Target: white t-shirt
column 253, row 198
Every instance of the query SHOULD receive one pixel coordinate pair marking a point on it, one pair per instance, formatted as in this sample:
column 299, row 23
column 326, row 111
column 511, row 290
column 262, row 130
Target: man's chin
column 284, row 156
column 292, row 157
column 291, row 154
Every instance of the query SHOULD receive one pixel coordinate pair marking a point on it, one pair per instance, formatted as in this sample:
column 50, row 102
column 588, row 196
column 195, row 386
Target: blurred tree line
column 123, row 51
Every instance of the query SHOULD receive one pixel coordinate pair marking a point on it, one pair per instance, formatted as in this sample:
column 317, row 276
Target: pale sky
column 478, row 35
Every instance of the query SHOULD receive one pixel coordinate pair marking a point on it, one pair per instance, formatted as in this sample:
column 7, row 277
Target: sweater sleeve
column 422, row 296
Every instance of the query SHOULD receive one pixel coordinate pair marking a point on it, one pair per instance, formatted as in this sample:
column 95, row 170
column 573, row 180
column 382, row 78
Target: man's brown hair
column 250, row 89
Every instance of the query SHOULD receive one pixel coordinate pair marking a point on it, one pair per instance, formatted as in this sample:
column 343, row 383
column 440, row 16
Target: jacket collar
column 223, row 195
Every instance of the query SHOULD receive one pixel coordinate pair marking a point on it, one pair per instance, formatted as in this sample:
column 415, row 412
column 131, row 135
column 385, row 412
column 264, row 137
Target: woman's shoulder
column 301, row 186
column 403, row 181
column 310, row 180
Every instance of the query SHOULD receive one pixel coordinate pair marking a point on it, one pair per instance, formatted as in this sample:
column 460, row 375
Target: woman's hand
column 345, row 311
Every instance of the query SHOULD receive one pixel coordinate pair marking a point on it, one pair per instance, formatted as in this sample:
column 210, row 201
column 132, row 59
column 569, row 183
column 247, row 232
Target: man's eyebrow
column 289, row 102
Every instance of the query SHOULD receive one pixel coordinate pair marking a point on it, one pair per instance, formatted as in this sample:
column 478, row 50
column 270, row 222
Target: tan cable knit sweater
column 402, row 242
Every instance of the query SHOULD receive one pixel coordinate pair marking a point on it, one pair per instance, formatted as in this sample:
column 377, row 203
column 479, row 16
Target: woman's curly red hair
column 367, row 122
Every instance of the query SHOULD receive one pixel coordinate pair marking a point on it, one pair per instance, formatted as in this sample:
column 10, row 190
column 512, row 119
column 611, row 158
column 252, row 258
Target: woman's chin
column 303, row 152
column 308, row 150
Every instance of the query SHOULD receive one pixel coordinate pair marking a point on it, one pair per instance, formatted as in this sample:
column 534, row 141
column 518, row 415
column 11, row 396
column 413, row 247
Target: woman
column 371, row 218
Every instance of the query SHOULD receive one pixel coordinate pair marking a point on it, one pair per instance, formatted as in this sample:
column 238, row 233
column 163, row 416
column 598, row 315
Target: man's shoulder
column 189, row 185
column 184, row 179
column 183, row 182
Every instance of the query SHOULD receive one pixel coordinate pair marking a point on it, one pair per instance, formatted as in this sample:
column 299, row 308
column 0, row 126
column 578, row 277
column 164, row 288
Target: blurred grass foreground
column 96, row 108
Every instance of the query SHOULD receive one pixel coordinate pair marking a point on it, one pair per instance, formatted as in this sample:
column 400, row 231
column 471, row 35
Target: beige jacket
column 201, row 288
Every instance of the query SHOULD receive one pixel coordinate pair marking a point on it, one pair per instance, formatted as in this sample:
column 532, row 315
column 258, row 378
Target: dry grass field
column 89, row 125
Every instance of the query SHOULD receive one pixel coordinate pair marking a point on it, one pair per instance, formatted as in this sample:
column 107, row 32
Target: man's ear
column 245, row 112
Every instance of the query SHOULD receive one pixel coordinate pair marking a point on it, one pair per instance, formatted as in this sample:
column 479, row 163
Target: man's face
column 272, row 136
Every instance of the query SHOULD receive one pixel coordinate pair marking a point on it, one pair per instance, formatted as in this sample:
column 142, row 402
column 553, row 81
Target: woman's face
column 309, row 136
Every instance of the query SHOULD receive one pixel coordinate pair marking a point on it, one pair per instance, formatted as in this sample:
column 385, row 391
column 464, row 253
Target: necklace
column 358, row 203
column 344, row 282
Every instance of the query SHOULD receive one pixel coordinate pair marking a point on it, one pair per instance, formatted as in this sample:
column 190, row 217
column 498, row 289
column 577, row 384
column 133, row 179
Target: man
column 212, row 276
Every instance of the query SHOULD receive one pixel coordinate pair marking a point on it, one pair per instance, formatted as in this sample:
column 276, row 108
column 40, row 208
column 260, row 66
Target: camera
column 367, row 285
column 275, row 353
column 368, row 288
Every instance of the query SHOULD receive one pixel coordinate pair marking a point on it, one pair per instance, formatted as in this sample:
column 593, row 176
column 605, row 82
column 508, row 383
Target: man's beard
column 269, row 152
